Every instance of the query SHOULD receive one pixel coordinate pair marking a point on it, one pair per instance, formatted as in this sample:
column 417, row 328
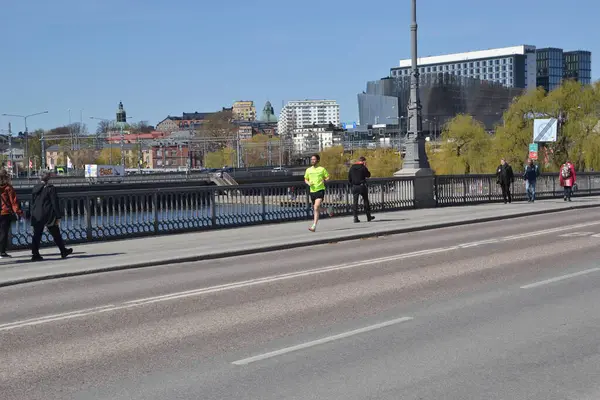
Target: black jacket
column 358, row 174
column 45, row 206
column 504, row 174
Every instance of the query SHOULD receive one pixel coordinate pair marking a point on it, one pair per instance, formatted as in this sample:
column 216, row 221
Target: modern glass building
column 550, row 67
column 578, row 66
column 443, row 96
column 510, row 66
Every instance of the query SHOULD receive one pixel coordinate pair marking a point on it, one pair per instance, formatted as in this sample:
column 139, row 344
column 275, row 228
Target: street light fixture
column 42, row 140
column 416, row 157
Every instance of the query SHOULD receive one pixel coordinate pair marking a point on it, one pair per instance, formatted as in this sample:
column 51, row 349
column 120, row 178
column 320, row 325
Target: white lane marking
column 577, row 234
column 560, row 278
column 56, row 317
column 324, row 340
column 276, row 278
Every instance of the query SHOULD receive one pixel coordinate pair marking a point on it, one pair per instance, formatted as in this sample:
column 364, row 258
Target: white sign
column 379, row 126
column 545, row 130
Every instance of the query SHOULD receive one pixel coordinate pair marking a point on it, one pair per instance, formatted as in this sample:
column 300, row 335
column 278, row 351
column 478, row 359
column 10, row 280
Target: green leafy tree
column 464, row 150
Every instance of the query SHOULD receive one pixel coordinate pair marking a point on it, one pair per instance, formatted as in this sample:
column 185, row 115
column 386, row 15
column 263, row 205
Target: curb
column 288, row 246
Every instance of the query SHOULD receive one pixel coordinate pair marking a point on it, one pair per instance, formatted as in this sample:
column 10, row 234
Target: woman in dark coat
column 46, row 213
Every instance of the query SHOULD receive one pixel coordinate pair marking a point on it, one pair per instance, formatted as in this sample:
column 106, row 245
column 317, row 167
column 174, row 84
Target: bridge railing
column 451, row 190
column 118, row 214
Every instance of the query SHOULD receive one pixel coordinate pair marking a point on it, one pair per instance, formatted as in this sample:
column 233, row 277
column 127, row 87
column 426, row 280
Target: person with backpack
column 10, row 211
column 46, row 213
column 530, row 176
column 567, row 179
column 505, row 178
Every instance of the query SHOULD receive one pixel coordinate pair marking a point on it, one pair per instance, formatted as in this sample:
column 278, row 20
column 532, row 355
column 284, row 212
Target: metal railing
column 97, row 215
column 119, row 214
column 455, row 190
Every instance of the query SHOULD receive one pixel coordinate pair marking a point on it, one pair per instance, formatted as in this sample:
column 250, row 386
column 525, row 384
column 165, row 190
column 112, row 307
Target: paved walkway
column 162, row 250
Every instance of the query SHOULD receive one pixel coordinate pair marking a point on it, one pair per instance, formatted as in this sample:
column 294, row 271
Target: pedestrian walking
column 10, row 211
column 46, row 213
column 357, row 176
column 567, row 179
column 505, row 178
column 530, row 176
column 315, row 177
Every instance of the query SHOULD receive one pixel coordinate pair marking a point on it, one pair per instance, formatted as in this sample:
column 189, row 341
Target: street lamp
column 42, row 140
column 416, row 157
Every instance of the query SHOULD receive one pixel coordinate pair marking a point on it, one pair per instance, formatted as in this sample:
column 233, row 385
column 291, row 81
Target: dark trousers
column 361, row 191
column 568, row 192
column 38, row 230
column 4, row 232
column 506, row 195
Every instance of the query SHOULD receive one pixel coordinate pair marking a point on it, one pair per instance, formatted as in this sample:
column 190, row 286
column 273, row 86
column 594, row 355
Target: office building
column 306, row 113
column 443, row 96
column 578, row 66
column 554, row 65
column 513, row 67
column 550, row 67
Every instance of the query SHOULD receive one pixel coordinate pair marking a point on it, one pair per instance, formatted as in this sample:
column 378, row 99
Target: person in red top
column 567, row 179
column 10, row 207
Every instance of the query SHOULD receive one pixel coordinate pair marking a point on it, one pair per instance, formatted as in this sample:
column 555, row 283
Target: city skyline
column 80, row 64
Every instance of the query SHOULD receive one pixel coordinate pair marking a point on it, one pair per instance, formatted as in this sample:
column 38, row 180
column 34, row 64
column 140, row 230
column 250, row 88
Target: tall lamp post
column 415, row 160
column 42, row 140
column 98, row 144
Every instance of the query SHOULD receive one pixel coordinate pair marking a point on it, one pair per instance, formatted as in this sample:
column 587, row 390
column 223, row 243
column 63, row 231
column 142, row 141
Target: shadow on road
column 56, row 257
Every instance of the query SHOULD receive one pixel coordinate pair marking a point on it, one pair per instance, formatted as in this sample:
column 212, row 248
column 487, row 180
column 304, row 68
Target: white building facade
column 510, row 66
column 314, row 139
column 305, row 113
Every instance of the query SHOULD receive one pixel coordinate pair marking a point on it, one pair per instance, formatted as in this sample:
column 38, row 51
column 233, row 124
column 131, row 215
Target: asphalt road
column 505, row 310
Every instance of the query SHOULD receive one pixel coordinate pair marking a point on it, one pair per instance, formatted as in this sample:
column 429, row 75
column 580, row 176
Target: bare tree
column 219, row 130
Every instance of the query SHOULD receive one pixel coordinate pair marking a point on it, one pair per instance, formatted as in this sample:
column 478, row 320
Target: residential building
column 244, row 110
column 513, row 67
column 306, row 113
column 169, row 155
column 315, row 138
column 115, row 136
column 57, row 155
column 169, row 124
column 442, row 95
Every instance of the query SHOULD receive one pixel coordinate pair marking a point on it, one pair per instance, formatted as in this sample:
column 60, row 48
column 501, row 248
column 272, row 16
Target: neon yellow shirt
column 316, row 178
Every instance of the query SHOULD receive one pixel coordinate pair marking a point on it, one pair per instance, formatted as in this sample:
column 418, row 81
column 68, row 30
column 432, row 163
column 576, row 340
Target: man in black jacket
column 357, row 176
column 505, row 178
column 46, row 212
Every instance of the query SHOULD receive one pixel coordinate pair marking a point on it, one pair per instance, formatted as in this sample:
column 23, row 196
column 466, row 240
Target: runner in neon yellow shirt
column 315, row 177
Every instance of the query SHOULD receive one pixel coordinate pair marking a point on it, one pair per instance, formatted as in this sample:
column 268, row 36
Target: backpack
column 565, row 171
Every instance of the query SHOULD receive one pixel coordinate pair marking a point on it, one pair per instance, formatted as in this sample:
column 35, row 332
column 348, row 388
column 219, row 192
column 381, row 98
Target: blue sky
column 166, row 57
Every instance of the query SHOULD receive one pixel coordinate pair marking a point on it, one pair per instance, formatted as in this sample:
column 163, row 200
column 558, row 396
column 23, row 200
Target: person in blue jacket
column 530, row 176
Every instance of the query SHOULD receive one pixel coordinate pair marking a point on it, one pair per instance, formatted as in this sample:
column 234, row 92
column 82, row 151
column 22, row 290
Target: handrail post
column 213, row 208
column 263, row 204
column 88, row 219
column 155, row 212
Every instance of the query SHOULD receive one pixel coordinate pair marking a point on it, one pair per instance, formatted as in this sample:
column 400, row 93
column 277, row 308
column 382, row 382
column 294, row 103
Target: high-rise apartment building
column 306, row 113
column 513, row 67
column 244, row 110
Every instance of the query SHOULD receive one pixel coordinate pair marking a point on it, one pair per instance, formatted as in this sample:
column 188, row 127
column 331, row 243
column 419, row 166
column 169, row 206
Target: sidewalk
column 161, row 250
